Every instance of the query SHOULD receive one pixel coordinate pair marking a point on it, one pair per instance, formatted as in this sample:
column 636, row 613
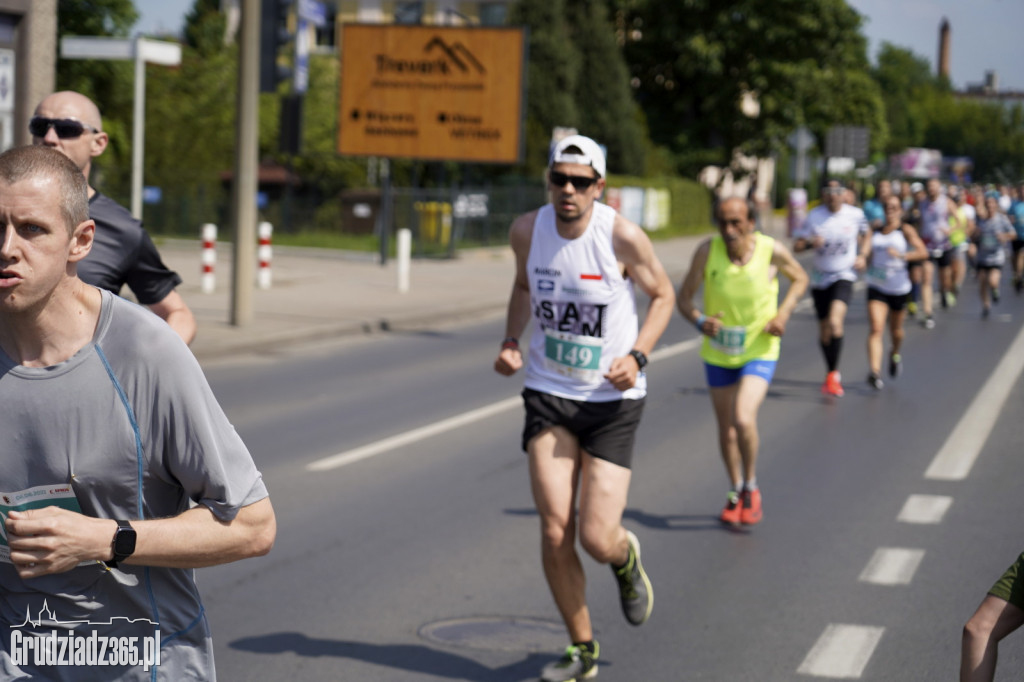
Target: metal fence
column 441, row 220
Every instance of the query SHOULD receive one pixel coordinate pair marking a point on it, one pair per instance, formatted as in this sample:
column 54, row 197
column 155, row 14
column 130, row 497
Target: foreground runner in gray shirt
column 120, row 471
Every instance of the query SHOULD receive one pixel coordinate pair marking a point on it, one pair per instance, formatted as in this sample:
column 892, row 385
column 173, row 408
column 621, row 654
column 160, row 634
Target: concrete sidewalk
column 319, row 294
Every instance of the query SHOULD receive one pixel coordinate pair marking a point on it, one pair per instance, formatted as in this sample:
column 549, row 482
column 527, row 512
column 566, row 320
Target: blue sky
column 986, row 34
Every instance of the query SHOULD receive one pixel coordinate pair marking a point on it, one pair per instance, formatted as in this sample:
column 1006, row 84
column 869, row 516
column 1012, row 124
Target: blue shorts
column 726, row 376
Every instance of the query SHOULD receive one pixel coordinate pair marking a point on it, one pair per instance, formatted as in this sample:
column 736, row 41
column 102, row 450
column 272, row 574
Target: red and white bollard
column 209, row 257
column 265, row 254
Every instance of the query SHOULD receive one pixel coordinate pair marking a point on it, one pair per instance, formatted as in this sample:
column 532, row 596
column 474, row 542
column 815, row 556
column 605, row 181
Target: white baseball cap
column 589, row 153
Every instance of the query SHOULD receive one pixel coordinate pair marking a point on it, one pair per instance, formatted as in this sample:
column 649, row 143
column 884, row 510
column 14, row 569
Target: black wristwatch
column 124, row 543
column 641, row 359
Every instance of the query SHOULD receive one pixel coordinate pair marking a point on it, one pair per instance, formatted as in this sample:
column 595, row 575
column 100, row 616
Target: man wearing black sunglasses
column 577, row 262
column 122, row 251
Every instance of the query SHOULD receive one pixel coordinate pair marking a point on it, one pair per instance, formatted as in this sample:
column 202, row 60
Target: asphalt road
column 420, row 561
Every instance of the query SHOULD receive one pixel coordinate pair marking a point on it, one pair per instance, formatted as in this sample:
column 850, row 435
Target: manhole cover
column 497, row 633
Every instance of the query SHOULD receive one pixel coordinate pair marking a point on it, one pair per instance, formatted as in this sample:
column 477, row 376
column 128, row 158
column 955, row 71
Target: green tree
column 552, row 74
column 204, row 27
column 695, row 61
column 903, row 79
column 108, row 83
column 604, row 100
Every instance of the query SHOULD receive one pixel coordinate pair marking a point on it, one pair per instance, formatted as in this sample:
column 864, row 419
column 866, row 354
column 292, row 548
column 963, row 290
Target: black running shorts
column 841, row 290
column 896, row 302
column 607, row 430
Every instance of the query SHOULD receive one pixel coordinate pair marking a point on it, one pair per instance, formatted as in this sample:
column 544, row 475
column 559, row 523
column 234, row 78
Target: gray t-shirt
column 991, row 250
column 127, row 428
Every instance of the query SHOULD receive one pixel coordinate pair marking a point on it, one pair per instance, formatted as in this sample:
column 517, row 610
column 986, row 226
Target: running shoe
column 577, row 663
column 875, row 381
column 895, row 365
column 984, row 313
column 948, row 299
column 928, row 322
column 912, row 307
column 731, row 513
column 1018, row 285
column 833, row 384
column 995, row 296
column 635, row 590
column 751, row 510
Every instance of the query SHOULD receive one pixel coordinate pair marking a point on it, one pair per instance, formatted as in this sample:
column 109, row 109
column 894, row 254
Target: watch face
column 124, row 541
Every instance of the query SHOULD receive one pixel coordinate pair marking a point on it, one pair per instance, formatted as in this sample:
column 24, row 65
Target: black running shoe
column 895, row 365
column 635, row 590
column 577, row 663
column 875, row 381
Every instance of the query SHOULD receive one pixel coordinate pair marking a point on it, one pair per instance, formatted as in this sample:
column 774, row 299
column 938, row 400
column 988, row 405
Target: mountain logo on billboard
column 457, row 54
column 453, row 58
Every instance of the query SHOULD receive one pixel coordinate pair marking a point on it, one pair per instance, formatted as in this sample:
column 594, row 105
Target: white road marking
column 954, row 461
column 360, row 453
column 397, row 441
column 892, row 566
column 925, row 509
column 674, row 349
column 842, row 651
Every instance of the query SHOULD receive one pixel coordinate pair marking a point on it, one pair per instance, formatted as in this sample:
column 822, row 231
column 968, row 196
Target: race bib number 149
column 572, row 355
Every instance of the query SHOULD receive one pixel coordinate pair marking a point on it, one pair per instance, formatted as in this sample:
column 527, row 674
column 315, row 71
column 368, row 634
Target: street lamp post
column 141, row 50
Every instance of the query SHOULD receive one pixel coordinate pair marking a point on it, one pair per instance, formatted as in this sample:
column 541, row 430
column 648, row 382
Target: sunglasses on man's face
column 580, row 182
column 66, row 128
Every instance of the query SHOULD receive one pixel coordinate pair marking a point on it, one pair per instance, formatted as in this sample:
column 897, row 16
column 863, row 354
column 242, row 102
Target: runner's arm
column 918, row 251
column 691, row 283
column 56, row 540
column 173, row 310
column 634, row 250
column 510, row 358
column 783, row 259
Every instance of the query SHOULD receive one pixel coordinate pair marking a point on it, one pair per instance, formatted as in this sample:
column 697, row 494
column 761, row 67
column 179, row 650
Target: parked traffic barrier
column 208, row 258
column 265, row 254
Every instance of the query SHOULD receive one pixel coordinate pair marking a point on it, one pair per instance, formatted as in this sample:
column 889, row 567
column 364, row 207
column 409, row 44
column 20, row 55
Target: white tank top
column 934, row 219
column 584, row 310
column 888, row 273
column 834, row 260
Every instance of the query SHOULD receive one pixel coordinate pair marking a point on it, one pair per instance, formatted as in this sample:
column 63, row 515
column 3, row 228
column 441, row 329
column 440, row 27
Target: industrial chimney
column 944, row 49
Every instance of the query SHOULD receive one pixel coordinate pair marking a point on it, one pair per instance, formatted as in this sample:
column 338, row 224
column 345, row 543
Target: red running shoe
column 833, row 385
column 750, row 509
column 731, row 513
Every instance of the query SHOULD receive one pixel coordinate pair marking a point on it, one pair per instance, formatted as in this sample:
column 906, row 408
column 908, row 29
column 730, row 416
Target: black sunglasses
column 66, row 128
column 580, row 182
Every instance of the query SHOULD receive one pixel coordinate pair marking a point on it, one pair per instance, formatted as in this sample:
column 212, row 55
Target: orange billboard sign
column 431, row 92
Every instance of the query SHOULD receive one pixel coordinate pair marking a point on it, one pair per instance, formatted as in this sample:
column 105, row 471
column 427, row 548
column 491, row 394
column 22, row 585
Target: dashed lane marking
column 372, row 449
column 954, row 461
column 842, row 651
column 892, row 566
column 925, row 509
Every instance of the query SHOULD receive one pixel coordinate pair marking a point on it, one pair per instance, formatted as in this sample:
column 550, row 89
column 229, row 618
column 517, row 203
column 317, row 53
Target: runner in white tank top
column 576, row 263
column 936, row 212
column 833, row 230
column 584, row 308
column 887, row 252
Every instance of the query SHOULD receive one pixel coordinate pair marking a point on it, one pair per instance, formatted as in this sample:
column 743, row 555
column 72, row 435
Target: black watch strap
column 123, row 543
column 641, row 359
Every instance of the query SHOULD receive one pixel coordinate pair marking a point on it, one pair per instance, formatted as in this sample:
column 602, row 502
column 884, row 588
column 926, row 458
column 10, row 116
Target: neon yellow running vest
column 747, row 296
